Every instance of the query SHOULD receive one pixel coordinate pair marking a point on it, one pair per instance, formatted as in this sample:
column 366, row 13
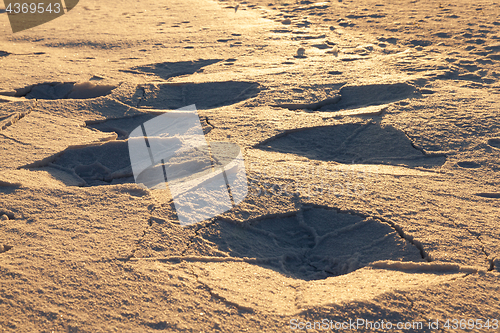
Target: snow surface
column 372, row 158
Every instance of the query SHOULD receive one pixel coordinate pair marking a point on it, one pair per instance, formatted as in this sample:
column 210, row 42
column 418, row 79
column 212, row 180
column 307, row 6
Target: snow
column 372, row 160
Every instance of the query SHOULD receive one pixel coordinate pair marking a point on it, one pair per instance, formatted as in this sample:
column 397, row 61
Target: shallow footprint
column 469, row 164
column 5, row 248
column 375, row 94
column 64, row 90
column 489, row 195
column 495, row 143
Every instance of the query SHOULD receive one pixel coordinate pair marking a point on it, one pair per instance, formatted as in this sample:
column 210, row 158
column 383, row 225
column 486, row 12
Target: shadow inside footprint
column 353, row 143
column 166, row 70
column 315, row 243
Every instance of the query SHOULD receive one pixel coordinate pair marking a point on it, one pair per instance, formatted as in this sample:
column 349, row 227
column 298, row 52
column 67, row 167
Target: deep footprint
column 109, row 163
column 123, row 126
column 353, row 143
column 314, row 244
column 203, row 95
column 106, row 164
